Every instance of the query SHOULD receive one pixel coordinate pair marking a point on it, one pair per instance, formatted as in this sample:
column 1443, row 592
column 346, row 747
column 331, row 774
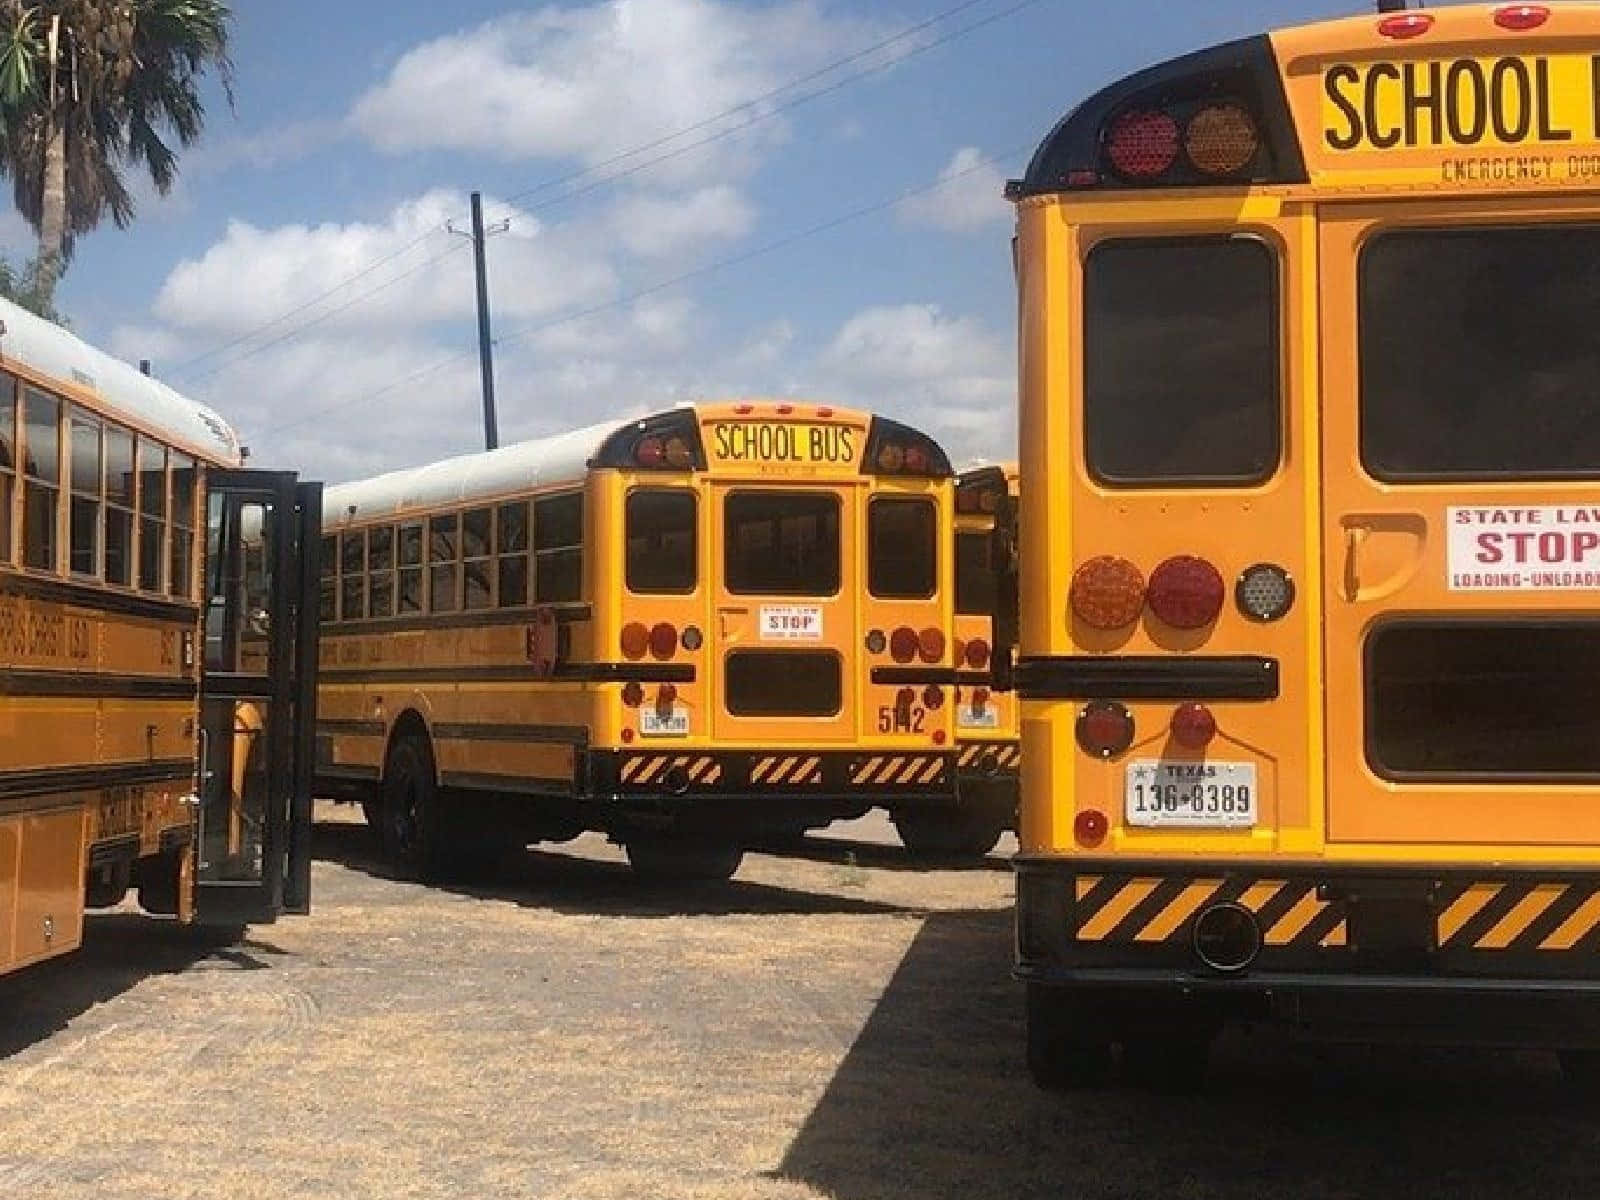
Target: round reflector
column 632, row 695
column 903, row 644
column 635, row 640
column 933, row 696
column 1090, row 827
column 930, row 644
column 977, row 654
column 1186, row 592
column 1142, row 144
column 1222, row 140
column 1264, row 592
column 663, row 640
column 1193, row 726
column 1107, row 593
column 938, row 737
column 1105, row 729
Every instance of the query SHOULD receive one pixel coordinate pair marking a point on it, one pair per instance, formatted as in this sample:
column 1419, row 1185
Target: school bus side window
column 902, row 548
column 1181, row 362
column 152, row 514
column 444, row 561
column 121, row 506
column 511, row 550
column 181, row 584
column 662, row 546
column 42, row 498
column 8, row 461
column 330, row 579
column 477, row 550
column 1478, row 357
column 558, row 545
column 353, row 576
column 86, row 457
column 410, row 558
column 380, row 564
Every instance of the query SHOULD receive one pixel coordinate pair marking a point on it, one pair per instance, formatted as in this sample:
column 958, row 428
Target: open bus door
column 258, row 697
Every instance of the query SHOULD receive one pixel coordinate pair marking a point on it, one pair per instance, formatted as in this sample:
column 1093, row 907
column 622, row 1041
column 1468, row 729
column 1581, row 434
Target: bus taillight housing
column 896, row 449
column 669, row 442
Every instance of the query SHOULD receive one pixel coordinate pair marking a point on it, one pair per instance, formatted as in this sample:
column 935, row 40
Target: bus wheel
column 372, row 810
column 936, row 833
column 408, row 828
column 666, row 858
column 160, row 880
column 108, row 885
column 1068, row 1048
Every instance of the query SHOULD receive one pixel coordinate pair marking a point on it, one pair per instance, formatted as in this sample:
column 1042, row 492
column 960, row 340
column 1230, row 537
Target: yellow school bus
column 139, row 751
column 715, row 625
column 1310, row 560
column 988, row 752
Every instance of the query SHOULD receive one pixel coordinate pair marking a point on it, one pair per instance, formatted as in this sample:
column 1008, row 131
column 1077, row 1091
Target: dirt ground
column 833, row 1024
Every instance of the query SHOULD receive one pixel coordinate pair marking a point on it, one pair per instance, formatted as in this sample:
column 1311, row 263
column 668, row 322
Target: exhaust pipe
column 1227, row 938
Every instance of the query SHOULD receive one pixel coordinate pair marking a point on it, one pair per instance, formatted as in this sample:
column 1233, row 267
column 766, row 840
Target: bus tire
column 372, row 810
column 409, row 827
column 108, row 885
column 1068, row 1049
column 935, row 834
column 160, row 880
column 676, row 859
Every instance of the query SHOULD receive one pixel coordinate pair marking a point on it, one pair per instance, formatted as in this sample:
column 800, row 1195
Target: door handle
column 1355, row 537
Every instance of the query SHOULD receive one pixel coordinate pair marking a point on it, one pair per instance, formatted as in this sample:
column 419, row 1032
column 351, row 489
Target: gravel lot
column 833, row 1024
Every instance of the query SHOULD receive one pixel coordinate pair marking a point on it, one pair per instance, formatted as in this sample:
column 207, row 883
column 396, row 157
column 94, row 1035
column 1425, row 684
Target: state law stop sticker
column 791, row 623
column 1553, row 548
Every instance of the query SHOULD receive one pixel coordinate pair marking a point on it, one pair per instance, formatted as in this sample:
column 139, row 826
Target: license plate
column 1208, row 795
column 978, row 718
column 653, row 722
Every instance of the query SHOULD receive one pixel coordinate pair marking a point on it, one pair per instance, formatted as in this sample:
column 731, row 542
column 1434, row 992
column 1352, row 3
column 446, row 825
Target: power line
column 983, row 163
column 323, row 318
column 744, row 106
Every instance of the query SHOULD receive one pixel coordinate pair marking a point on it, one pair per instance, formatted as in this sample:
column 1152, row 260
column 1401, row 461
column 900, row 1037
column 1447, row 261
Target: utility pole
column 480, row 236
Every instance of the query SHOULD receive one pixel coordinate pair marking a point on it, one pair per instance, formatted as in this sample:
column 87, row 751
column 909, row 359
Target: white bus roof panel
column 543, row 463
column 122, row 392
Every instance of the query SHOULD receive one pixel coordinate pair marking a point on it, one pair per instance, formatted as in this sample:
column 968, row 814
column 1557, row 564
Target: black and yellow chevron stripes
column 1522, row 916
column 899, row 770
column 1120, row 908
column 1007, row 755
column 643, row 770
column 795, row 770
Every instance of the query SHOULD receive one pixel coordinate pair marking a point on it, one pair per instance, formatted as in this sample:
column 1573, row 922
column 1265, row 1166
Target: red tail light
column 633, row 695
column 1090, row 827
column 1105, row 729
column 1143, row 144
column 930, row 644
column 933, row 697
column 1186, row 592
column 666, row 695
column 1107, row 593
column 916, row 460
column 903, row 644
column 977, row 654
column 1193, row 726
column 651, row 452
column 1405, row 25
column 663, row 641
column 635, row 640
column 959, row 648
column 1519, row 18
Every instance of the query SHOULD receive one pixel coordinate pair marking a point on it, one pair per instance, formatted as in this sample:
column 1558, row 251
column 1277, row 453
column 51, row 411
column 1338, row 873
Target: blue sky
column 360, row 126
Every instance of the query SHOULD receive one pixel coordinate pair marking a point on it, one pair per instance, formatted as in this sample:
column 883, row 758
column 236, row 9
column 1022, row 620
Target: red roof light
column 1519, row 18
column 1405, row 25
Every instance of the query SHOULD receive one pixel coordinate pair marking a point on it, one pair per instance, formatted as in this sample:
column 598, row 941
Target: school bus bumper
column 764, row 775
column 1502, row 956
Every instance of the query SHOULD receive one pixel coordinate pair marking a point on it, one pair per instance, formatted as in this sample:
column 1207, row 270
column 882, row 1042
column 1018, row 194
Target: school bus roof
column 52, row 357
column 552, row 462
column 1466, row 98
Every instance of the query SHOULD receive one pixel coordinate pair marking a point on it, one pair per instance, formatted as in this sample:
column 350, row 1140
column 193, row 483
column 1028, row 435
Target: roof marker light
column 1519, row 18
column 1405, row 25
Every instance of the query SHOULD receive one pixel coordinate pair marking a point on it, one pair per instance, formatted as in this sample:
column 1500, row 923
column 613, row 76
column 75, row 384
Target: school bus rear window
column 784, row 683
column 903, row 549
column 782, row 543
column 975, row 581
column 1484, row 698
column 1478, row 355
column 1181, row 362
column 661, row 542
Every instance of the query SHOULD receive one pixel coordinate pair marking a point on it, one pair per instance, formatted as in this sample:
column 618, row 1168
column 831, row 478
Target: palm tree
column 90, row 88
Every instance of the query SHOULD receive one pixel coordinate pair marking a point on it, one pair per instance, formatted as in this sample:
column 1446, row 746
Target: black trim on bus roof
column 1245, row 70
column 1148, row 677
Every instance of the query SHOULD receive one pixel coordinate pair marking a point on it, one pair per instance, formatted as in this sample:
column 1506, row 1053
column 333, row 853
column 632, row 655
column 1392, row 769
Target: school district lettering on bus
column 1507, row 549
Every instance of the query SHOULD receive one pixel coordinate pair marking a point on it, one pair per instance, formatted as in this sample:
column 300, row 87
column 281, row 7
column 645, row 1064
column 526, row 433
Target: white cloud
column 968, row 197
column 951, row 376
column 655, row 226
column 422, row 270
column 17, row 239
column 590, row 82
